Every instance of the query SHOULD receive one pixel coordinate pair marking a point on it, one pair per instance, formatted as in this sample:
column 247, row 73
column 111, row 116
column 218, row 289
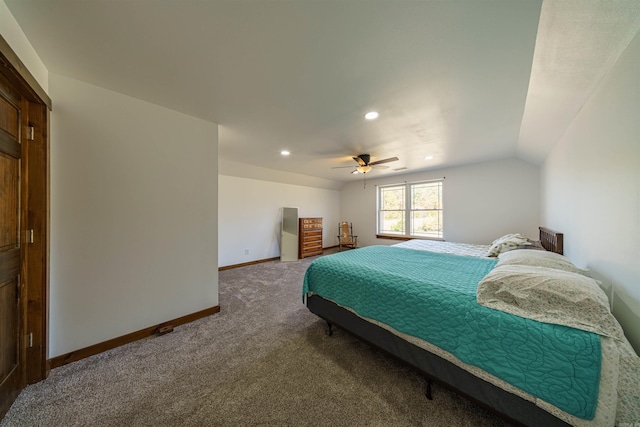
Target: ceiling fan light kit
column 365, row 166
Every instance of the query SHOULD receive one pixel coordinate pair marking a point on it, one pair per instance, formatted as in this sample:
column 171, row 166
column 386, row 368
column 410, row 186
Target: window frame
column 408, row 211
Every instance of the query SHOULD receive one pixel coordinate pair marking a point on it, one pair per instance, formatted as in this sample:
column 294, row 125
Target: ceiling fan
column 365, row 165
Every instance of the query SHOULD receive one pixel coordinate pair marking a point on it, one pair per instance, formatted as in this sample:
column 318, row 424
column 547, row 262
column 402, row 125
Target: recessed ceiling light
column 371, row 115
column 429, row 158
column 285, row 153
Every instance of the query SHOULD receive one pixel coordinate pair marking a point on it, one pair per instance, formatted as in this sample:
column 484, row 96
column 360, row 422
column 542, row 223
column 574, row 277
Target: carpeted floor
column 264, row 360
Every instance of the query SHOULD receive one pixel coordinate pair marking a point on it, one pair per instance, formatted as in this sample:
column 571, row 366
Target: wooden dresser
column 310, row 234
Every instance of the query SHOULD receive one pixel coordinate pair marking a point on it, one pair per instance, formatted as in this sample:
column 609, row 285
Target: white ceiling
column 464, row 81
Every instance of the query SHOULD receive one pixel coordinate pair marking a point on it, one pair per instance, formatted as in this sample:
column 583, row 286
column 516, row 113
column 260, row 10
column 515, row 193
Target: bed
column 433, row 305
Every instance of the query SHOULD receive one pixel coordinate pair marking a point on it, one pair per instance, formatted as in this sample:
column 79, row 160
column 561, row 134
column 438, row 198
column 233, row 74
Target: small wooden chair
column 345, row 236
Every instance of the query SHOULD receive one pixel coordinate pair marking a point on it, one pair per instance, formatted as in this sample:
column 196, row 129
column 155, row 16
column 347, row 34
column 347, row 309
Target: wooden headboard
column 551, row 240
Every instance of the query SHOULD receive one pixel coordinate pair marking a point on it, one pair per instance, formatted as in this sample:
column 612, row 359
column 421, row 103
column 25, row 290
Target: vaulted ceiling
column 462, row 81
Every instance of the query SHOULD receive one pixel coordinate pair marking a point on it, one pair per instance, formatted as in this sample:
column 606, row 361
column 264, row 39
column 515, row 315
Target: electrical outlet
column 165, row 329
column 246, row 251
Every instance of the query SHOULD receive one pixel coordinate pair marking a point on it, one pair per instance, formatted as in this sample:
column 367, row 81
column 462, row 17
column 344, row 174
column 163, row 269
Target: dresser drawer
column 310, row 223
column 310, row 226
column 312, row 235
column 312, row 244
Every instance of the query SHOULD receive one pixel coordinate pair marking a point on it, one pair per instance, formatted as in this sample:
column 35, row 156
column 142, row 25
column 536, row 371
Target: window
column 411, row 209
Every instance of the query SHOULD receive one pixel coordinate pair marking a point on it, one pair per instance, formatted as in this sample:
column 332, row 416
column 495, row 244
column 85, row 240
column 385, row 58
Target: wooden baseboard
column 76, row 355
column 244, row 264
column 260, row 261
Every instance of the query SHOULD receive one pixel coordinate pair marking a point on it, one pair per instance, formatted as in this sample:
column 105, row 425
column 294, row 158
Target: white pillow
column 539, row 258
column 507, row 243
column 550, row 296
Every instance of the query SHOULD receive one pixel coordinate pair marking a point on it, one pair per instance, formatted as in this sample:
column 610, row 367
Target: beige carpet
column 264, row 360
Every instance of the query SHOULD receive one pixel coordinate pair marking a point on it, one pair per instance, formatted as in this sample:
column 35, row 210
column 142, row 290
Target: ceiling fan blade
column 378, row 166
column 359, row 160
column 378, row 162
column 341, row 167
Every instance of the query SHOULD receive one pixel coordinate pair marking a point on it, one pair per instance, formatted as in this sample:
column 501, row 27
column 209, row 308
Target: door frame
column 35, row 212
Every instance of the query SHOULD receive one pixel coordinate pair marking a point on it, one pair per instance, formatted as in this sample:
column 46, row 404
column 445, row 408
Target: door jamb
column 36, row 212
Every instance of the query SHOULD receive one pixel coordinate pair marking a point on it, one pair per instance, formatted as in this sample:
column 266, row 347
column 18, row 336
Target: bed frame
column 436, row 369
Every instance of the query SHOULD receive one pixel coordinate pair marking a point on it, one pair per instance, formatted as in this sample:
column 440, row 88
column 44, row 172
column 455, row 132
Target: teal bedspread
column 432, row 296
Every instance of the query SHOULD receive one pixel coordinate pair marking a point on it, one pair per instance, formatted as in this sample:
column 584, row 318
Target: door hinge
column 30, row 340
column 31, row 132
column 30, row 236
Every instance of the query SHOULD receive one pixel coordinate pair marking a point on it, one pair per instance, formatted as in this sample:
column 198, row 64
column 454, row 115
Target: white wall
column 591, row 188
column 133, row 215
column 250, row 214
column 15, row 37
column 244, row 170
column 481, row 202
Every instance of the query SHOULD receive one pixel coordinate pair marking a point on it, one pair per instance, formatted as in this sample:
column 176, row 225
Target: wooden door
column 12, row 350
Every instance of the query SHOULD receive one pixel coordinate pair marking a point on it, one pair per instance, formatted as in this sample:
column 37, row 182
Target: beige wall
column 591, row 188
column 481, row 202
column 133, row 215
column 250, row 214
